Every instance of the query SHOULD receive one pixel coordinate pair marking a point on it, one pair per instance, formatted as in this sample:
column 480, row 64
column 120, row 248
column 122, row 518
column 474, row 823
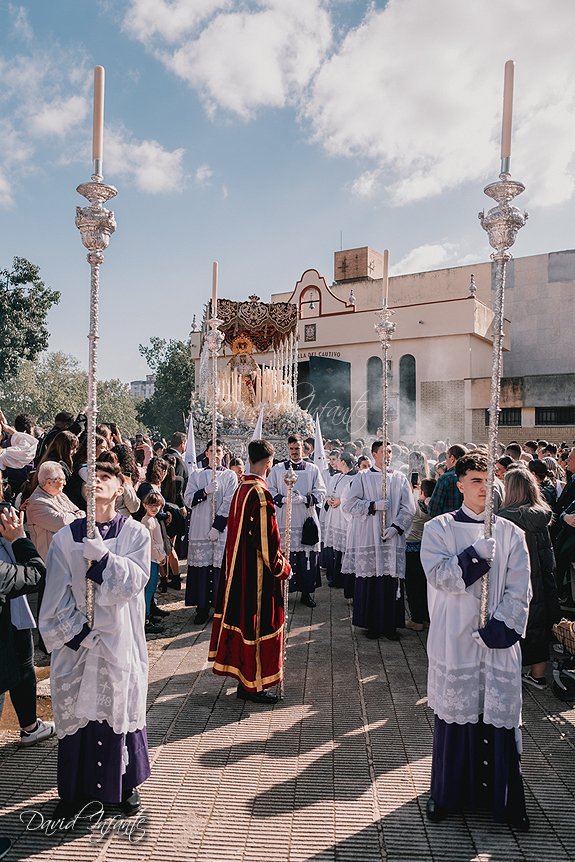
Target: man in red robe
column 248, row 624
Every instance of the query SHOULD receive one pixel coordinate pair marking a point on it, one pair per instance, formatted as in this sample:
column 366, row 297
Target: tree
column 56, row 382
column 24, row 303
column 166, row 410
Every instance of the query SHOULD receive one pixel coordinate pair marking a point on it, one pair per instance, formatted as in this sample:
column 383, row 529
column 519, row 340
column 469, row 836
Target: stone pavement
column 338, row 771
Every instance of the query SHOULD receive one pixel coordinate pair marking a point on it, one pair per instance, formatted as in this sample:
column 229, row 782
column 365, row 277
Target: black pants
column 23, row 694
column 416, row 587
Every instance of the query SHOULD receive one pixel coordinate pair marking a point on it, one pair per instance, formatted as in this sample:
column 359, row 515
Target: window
column 407, row 395
column 555, row 415
column 508, row 416
column 374, row 394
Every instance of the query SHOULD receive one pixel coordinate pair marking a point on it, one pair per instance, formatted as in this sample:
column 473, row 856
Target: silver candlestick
column 502, row 223
column 96, row 224
column 385, row 328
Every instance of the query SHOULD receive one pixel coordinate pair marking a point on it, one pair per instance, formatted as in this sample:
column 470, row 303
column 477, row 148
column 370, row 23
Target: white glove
column 211, row 487
column 214, row 535
column 388, row 533
column 382, row 505
column 299, row 498
column 485, row 548
column 94, row 549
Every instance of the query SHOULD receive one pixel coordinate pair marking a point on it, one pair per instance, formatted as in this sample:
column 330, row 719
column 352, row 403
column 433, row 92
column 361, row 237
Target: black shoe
column 175, row 583
column 153, row 628
column 201, row 616
column 131, row 804
column 372, row 634
column 159, row 612
column 308, row 600
column 392, row 636
column 5, row 845
column 435, row 812
column 163, row 587
column 256, row 696
column 520, row 824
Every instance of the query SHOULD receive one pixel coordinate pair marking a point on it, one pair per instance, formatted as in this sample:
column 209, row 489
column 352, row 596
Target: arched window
column 374, row 393
column 407, row 395
column 309, row 303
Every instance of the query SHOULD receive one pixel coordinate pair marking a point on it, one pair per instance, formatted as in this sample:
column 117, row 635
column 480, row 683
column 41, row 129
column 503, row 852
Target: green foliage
column 24, row 303
column 167, row 409
column 55, row 382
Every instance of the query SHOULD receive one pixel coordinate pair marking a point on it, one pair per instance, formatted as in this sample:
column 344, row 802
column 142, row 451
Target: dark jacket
column 181, row 467
column 16, row 580
column 544, row 608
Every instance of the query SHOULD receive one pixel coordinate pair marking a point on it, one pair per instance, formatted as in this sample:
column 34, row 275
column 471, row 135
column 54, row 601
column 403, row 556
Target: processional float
column 236, row 391
column 502, row 223
column 96, row 224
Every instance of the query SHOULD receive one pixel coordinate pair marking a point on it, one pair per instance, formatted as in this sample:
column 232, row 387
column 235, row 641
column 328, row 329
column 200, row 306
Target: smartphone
column 139, row 438
column 414, row 480
column 5, row 505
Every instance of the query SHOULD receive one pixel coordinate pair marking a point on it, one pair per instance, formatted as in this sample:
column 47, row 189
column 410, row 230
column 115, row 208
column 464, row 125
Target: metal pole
column 96, row 224
column 502, row 223
column 290, row 479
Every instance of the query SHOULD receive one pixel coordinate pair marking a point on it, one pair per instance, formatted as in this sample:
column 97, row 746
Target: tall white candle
column 215, row 289
column 385, row 277
column 98, row 119
column 507, row 109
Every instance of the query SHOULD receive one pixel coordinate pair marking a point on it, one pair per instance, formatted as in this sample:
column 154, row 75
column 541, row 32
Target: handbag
column 309, row 532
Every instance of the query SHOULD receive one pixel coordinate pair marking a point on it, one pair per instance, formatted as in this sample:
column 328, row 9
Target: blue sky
column 254, row 132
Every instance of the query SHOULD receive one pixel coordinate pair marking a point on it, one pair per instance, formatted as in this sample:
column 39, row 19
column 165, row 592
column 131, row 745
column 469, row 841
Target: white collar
column 473, row 515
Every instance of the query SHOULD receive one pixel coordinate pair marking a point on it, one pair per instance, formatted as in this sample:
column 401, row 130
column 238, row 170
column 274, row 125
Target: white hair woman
column 49, row 509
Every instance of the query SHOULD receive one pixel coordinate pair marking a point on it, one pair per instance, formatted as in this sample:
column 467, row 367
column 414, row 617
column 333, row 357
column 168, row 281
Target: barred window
column 508, row 416
column 555, row 415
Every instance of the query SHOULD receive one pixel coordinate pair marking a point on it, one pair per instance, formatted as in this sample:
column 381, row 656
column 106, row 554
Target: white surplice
column 106, row 679
column 366, row 554
column 309, row 482
column 466, row 678
column 201, row 551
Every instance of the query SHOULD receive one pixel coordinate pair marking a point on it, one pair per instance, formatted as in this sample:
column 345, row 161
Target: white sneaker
column 539, row 683
column 44, row 730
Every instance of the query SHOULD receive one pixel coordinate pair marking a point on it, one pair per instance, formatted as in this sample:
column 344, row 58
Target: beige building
column 440, row 355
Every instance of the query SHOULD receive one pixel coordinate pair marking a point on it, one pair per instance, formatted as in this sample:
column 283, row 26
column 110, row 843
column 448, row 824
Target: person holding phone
column 21, row 572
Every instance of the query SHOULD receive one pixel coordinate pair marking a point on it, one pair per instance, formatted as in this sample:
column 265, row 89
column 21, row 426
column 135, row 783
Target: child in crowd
column 153, row 503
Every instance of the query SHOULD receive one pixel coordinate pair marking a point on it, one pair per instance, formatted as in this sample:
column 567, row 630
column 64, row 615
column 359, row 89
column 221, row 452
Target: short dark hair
column 23, row 422
column 236, row 461
column 260, row 450
column 111, row 469
column 467, row 463
column 310, row 441
column 376, row 446
column 515, row 449
column 505, row 461
column 348, row 459
column 458, row 450
column 294, row 438
column 532, row 444
column 428, row 486
column 178, row 437
column 210, row 443
column 551, row 448
column 64, row 417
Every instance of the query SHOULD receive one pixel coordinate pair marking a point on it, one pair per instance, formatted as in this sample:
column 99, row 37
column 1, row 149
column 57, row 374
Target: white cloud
column 59, row 117
column 367, row 184
column 6, row 196
column 426, row 257
column 20, row 22
column 239, row 56
column 203, row 175
column 417, row 87
column 147, row 19
column 152, row 168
